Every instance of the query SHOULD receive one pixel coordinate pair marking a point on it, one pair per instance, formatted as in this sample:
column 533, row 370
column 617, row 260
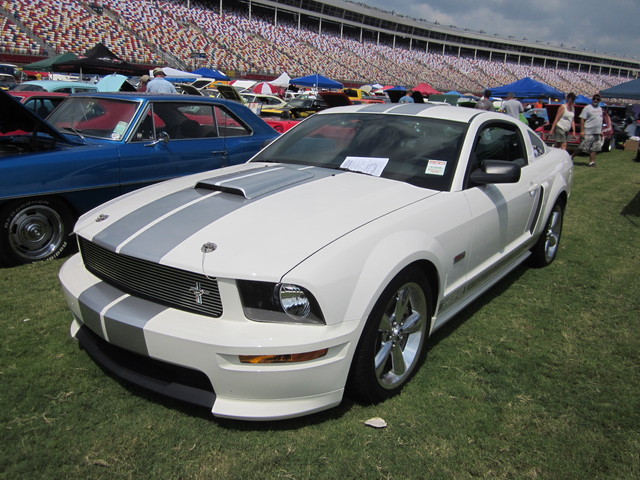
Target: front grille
column 161, row 284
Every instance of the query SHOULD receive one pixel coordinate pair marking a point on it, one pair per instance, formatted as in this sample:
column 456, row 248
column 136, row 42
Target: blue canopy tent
column 527, row 88
column 582, row 100
column 211, row 73
column 624, row 90
column 315, row 81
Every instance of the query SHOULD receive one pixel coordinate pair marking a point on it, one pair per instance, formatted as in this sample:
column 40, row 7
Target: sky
column 611, row 26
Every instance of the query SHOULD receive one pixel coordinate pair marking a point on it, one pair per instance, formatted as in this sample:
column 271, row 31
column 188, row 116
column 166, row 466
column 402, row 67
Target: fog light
column 284, row 358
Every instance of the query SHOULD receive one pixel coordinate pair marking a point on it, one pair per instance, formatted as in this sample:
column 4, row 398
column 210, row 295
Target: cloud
column 609, row 26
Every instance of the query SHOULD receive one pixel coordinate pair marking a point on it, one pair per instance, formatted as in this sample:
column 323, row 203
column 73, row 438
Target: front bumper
column 195, row 358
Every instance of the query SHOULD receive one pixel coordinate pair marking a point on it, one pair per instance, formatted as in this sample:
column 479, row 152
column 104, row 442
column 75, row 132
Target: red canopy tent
column 425, row 89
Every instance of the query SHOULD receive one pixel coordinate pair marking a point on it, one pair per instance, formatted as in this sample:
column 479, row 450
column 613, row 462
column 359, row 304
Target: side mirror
column 496, row 171
column 162, row 138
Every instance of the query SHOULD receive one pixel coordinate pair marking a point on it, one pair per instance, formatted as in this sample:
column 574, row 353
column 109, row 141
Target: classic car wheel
column 393, row 340
column 546, row 248
column 33, row 230
column 608, row 145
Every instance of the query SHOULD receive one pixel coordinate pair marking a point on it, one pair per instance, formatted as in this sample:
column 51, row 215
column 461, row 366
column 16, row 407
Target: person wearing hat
column 160, row 84
column 142, row 86
column 591, row 120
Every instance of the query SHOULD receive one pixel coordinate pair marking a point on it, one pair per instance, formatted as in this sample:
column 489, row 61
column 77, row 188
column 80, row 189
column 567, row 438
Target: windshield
column 417, row 150
column 300, row 102
column 105, row 118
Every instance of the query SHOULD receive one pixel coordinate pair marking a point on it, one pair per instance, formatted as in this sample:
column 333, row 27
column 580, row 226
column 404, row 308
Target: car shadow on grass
column 632, row 209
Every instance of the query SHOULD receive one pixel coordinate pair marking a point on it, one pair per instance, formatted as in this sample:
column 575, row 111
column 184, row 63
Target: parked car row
column 94, row 147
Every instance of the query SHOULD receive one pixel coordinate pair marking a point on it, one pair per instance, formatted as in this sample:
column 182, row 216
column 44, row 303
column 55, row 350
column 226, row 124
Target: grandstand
column 260, row 39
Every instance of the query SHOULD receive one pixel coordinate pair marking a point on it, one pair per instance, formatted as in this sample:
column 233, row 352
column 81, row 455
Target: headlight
column 279, row 302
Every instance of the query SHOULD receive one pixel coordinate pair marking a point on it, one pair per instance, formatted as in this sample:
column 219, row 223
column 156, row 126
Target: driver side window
column 500, row 142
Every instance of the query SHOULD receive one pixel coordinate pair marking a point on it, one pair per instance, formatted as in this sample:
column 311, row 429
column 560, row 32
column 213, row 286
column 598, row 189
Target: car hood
column 17, row 118
column 254, row 221
column 230, row 93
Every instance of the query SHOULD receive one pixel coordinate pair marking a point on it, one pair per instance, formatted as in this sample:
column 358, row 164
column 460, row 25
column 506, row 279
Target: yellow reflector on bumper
column 284, row 358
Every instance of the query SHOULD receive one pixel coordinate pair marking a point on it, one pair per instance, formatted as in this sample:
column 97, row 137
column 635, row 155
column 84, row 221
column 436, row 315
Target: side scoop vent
column 254, row 183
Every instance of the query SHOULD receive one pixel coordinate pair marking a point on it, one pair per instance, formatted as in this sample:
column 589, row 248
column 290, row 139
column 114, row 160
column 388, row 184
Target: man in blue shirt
column 408, row 98
column 159, row 84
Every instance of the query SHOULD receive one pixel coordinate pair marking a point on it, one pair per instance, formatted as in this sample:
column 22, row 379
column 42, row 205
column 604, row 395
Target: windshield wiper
column 77, row 132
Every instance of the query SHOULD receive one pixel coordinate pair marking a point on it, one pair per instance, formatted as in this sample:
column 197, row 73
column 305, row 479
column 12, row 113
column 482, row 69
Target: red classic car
column 40, row 103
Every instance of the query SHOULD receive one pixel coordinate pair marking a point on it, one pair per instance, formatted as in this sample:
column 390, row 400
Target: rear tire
column 392, row 344
column 546, row 248
column 32, row 230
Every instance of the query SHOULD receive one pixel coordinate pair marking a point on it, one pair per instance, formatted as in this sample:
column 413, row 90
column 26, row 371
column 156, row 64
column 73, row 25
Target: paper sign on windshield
column 369, row 165
column 436, row 167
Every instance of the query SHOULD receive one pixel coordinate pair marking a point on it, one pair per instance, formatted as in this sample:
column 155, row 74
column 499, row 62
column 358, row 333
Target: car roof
column 444, row 112
column 138, row 96
column 27, row 94
column 47, row 84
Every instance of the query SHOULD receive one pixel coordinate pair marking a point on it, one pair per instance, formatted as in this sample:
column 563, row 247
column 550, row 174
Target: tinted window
column 500, row 142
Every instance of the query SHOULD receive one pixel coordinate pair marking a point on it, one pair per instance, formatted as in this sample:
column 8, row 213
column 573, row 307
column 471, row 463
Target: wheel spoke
column 385, row 324
column 553, row 222
column 402, row 301
column 381, row 358
column 397, row 360
column 413, row 323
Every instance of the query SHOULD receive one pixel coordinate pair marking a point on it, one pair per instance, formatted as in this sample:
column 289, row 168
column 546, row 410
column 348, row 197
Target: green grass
column 539, row 379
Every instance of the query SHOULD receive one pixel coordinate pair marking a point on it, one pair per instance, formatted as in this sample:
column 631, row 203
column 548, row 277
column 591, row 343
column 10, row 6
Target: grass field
column 539, row 379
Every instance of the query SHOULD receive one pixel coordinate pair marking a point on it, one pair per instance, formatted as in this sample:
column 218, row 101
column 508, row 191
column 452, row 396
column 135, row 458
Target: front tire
column 546, row 248
column 33, row 230
column 392, row 344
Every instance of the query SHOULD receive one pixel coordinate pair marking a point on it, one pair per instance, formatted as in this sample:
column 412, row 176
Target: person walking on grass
column 564, row 121
column 591, row 120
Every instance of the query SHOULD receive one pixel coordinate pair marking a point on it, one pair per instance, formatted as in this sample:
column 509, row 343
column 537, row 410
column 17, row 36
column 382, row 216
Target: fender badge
column 102, row 217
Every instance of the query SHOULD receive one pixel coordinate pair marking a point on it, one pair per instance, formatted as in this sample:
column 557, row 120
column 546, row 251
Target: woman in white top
column 565, row 120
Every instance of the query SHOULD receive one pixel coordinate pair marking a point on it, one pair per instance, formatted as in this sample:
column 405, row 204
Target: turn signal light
column 284, row 358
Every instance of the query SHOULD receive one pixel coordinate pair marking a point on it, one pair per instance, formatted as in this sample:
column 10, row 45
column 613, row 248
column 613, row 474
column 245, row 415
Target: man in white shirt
column 591, row 120
column 512, row 107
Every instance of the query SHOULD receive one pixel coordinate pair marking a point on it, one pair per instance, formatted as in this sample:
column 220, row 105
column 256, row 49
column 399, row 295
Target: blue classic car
column 97, row 146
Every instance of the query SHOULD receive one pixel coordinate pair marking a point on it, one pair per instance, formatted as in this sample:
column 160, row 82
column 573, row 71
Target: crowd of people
column 168, row 32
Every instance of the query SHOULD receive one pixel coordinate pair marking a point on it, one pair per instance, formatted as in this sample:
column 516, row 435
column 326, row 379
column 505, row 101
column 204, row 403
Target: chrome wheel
column 546, row 248
column 552, row 234
column 401, row 333
column 392, row 344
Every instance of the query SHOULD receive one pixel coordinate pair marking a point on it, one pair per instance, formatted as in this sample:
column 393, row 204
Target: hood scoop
column 256, row 182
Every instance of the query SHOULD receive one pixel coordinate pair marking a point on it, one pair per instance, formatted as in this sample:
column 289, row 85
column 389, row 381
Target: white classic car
column 269, row 289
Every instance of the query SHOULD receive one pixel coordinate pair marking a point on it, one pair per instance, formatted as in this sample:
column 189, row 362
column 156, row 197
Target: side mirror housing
column 496, row 171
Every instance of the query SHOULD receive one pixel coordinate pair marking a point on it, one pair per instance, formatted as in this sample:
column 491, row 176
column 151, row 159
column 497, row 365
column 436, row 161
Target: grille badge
column 198, row 292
